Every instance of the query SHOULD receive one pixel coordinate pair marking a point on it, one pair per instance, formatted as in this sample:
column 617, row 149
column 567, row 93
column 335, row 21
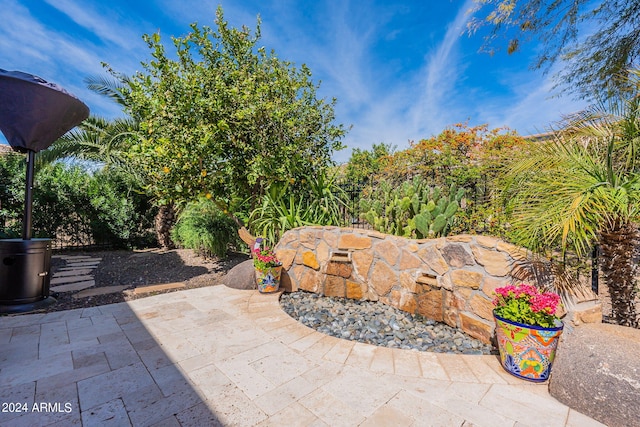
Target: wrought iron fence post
column 594, row 269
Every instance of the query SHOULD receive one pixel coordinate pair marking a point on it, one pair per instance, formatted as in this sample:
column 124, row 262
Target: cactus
column 438, row 224
column 412, row 209
column 423, row 222
column 415, row 203
column 431, row 205
column 452, row 207
column 410, row 227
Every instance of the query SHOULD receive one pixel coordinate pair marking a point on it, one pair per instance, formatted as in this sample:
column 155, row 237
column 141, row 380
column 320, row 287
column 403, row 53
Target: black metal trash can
column 24, row 271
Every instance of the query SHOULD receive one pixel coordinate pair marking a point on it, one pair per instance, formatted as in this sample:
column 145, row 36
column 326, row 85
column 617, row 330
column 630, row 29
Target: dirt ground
column 141, row 268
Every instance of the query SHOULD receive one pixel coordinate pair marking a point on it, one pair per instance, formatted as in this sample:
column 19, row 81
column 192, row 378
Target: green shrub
column 203, row 227
column 119, row 212
column 12, row 173
column 74, row 205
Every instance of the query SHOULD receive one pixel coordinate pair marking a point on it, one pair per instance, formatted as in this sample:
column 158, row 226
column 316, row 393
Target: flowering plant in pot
column 264, row 258
column 526, row 304
column 527, row 330
column 268, row 269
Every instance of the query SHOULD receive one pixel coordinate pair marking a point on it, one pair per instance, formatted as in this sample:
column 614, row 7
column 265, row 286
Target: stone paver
column 75, row 286
column 100, row 291
column 217, row 356
column 62, row 280
column 76, row 275
column 73, row 272
column 155, row 288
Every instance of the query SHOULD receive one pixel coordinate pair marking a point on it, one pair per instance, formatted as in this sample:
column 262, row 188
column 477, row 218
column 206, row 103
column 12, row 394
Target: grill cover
column 34, row 113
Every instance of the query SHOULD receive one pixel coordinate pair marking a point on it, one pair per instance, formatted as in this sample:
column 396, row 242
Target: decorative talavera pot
column 268, row 279
column 526, row 351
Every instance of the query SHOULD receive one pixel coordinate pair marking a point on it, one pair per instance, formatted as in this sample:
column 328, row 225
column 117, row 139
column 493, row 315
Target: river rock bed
column 378, row 324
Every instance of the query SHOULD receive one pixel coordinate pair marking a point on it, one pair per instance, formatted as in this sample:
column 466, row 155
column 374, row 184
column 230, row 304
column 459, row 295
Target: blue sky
column 401, row 70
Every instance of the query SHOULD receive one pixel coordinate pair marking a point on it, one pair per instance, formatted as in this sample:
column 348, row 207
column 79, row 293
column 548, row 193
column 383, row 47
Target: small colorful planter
column 268, row 280
column 526, row 351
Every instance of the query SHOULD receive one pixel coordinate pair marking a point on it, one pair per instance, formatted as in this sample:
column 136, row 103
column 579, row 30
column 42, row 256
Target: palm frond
column 109, row 87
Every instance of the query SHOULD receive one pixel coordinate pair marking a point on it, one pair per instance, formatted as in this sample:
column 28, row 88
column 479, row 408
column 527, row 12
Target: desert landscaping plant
column 316, row 201
column 412, row 209
column 469, row 157
column 583, row 188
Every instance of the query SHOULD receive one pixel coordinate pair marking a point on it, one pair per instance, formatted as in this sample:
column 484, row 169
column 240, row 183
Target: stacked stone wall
column 449, row 279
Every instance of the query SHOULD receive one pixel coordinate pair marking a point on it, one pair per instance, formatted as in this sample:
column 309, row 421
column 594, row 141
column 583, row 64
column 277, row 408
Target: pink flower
column 524, row 303
column 547, row 302
column 265, row 257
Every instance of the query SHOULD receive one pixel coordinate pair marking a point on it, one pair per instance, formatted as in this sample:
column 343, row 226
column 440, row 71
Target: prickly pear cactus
column 412, row 209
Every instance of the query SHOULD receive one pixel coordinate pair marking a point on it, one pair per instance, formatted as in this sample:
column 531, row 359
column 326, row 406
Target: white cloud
column 434, row 111
column 104, row 23
column 416, row 106
column 530, row 108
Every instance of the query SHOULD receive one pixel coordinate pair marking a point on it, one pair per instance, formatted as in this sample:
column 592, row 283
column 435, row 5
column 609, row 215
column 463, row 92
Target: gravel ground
column 378, row 324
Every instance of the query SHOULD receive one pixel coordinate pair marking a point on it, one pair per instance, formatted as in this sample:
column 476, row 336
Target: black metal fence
column 350, row 211
column 477, row 194
column 76, row 234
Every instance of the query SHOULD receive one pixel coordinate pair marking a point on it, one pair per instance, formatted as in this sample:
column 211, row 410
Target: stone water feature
column 449, row 279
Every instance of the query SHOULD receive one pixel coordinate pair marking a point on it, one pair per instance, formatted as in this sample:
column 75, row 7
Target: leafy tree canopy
column 595, row 40
column 459, row 154
column 363, row 164
column 226, row 118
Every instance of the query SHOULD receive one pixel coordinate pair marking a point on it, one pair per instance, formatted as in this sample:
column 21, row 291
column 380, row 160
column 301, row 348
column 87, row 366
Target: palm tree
column 584, row 187
column 97, row 139
column 108, row 142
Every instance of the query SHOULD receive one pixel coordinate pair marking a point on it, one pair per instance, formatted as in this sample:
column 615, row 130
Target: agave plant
column 326, row 200
column 279, row 211
column 320, row 202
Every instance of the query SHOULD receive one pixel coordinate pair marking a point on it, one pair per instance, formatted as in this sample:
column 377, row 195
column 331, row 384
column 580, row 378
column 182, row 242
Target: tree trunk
column 618, row 244
column 164, row 221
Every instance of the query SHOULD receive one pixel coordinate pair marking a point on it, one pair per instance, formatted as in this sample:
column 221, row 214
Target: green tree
column 107, row 143
column 584, row 187
column 595, row 41
column 12, row 174
column 364, row 164
column 226, row 119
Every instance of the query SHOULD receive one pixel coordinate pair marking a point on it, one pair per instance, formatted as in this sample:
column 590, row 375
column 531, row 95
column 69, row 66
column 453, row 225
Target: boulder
column 242, row 276
column 596, row 372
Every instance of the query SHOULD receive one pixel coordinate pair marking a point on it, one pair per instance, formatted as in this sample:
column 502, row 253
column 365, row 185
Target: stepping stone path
column 76, row 275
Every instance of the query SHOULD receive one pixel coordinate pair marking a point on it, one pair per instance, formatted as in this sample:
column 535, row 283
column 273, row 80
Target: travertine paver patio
column 220, row 356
